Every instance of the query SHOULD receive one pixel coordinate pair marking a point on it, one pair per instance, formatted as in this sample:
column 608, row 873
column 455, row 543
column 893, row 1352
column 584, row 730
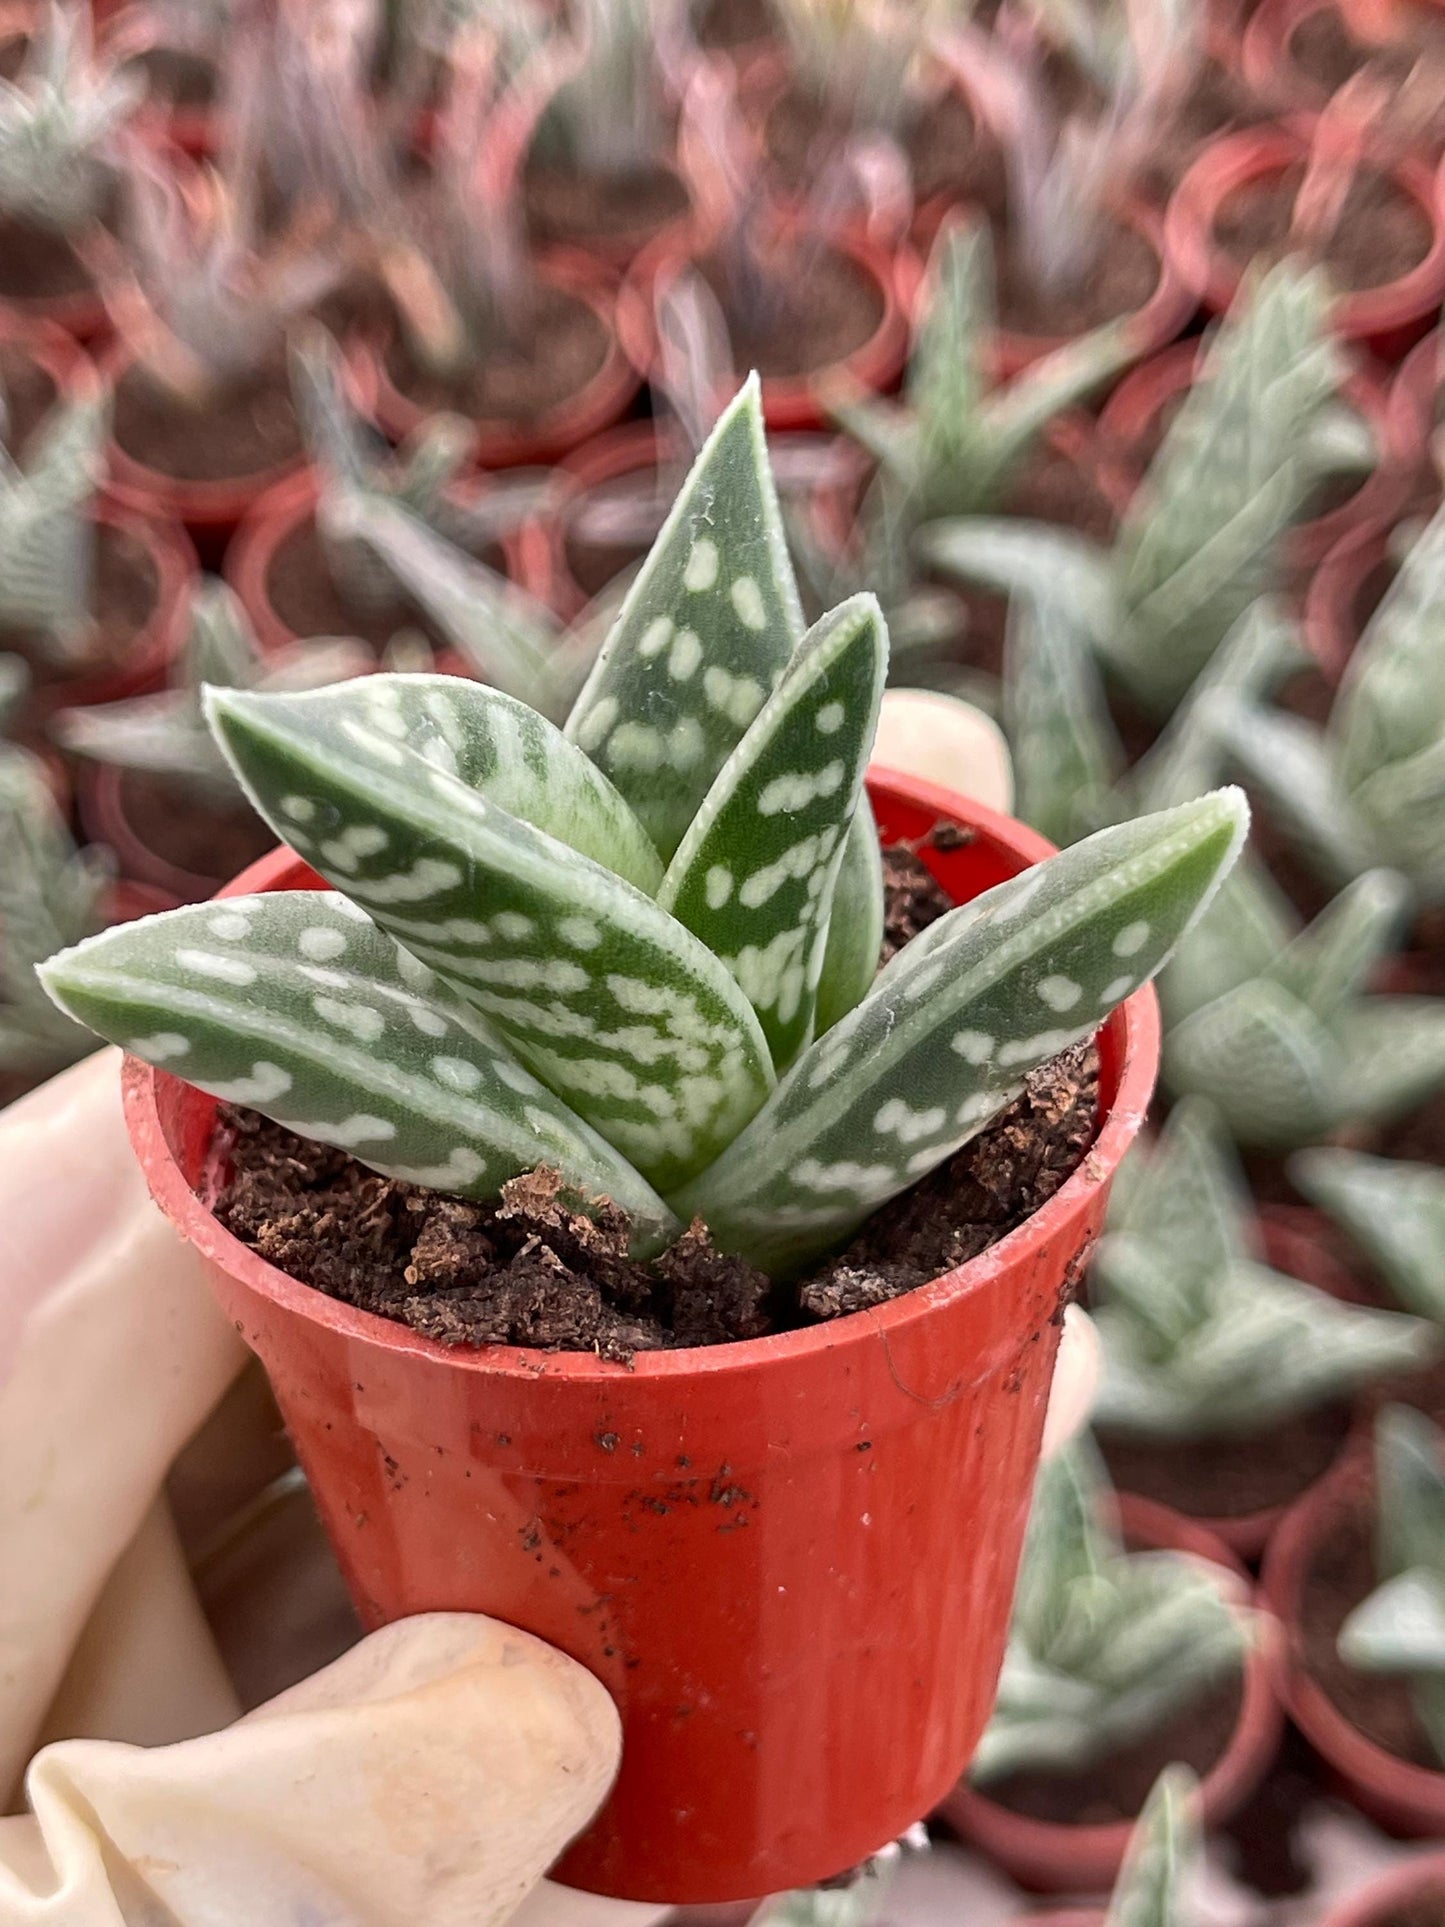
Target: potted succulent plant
column 90, row 592
column 59, row 120
column 806, row 296
column 1325, row 190
column 1356, row 1576
column 1226, row 1385
column 629, row 972
column 1153, row 1887
column 523, row 345
column 1118, row 1662
column 153, row 786
column 1201, row 538
column 295, row 565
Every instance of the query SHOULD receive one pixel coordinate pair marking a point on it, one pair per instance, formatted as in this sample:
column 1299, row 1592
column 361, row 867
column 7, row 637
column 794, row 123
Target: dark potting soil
column 578, row 208
column 528, row 1271
column 1051, row 487
column 1216, row 102
column 183, row 79
column 209, row 839
column 822, row 308
column 735, row 23
column 246, row 429
column 29, row 393
column 306, row 598
column 561, row 347
column 1116, row 1787
column 1229, row 1477
column 1381, row 233
column 39, row 265
column 1342, row 1574
column 1271, row 1853
column 948, row 154
column 1121, row 278
column 122, row 601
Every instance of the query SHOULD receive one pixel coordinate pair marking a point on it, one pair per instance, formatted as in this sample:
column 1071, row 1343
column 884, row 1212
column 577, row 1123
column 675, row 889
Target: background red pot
column 1333, row 607
column 1389, row 317
column 505, row 444
column 1267, row 59
column 1393, row 1893
column 104, row 818
column 1413, row 400
column 1405, row 1798
column 1130, row 420
column 790, row 1560
column 57, row 355
column 158, row 641
column 789, row 401
column 1047, row 1857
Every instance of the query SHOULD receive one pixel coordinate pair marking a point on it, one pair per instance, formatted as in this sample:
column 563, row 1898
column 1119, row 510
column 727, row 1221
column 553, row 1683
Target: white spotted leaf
column 946, row 1036
column 489, row 741
column 855, row 929
column 704, row 633
column 753, row 878
column 602, row 994
column 299, row 1006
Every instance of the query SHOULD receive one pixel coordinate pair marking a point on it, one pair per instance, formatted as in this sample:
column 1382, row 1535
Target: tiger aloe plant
column 642, row 950
column 1394, row 1211
column 166, row 734
column 1200, row 1338
column 1400, row 1629
column 51, row 894
column 1286, row 1040
column 1369, row 787
column 1155, row 1883
column 58, row 120
column 1200, row 541
column 1105, row 1646
column 46, row 532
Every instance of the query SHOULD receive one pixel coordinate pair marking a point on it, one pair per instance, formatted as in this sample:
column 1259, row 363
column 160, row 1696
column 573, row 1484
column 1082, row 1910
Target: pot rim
column 1233, row 161
column 1327, row 615
column 1134, row 1027
column 1398, row 1783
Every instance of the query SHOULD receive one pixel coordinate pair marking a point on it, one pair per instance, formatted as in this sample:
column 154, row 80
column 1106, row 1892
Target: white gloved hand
column 429, row 1775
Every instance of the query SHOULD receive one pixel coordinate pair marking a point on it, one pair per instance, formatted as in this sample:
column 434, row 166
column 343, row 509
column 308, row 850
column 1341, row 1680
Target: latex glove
column 430, row 1775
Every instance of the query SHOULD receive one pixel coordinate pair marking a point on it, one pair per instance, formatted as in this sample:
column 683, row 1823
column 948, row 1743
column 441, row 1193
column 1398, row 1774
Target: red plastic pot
column 1048, row 1857
column 505, row 444
column 272, row 521
column 58, row 355
column 129, row 899
column 1266, row 54
column 1404, row 1798
column 156, row 644
column 789, row 401
column 1389, row 318
column 790, row 1560
column 1393, row 1894
column 101, row 805
column 1131, row 415
column 1414, row 400
column 1332, row 625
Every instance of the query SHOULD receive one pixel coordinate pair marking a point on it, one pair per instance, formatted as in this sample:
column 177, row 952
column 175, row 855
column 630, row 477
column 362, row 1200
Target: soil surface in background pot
column 1217, row 102
column 210, row 838
column 247, row 429
column 1342, row 1574
column 122, row 601
column 949, row 154
column 1229, row 1478
column 1119, row 278
column 527, row 1271
column 735, row 23
column 1380, row 236
column 561, row 346
column 1115, row 1787
column 822, row 308
column 304, row 595
column 28, row 390
column 580, row 208
column 181, row 79
column 37, row 264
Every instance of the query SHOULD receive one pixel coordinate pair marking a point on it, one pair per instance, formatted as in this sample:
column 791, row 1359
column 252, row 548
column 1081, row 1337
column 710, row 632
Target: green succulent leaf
column 946, row 1036
column 47, row 538
column 299, row 1006
column 1287, row 761
column 855, row 930
column 488, row 741
column 1066, row 751
column 1164, row 1848
column 705, row 631
column 1027, row 558
column 1400, row 1628
column 605, row 997
column 1238, row 938
column 1394, row 1211
column 753, row 877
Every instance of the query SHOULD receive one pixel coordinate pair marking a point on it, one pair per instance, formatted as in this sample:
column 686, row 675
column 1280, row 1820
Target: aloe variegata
column 608, row 949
